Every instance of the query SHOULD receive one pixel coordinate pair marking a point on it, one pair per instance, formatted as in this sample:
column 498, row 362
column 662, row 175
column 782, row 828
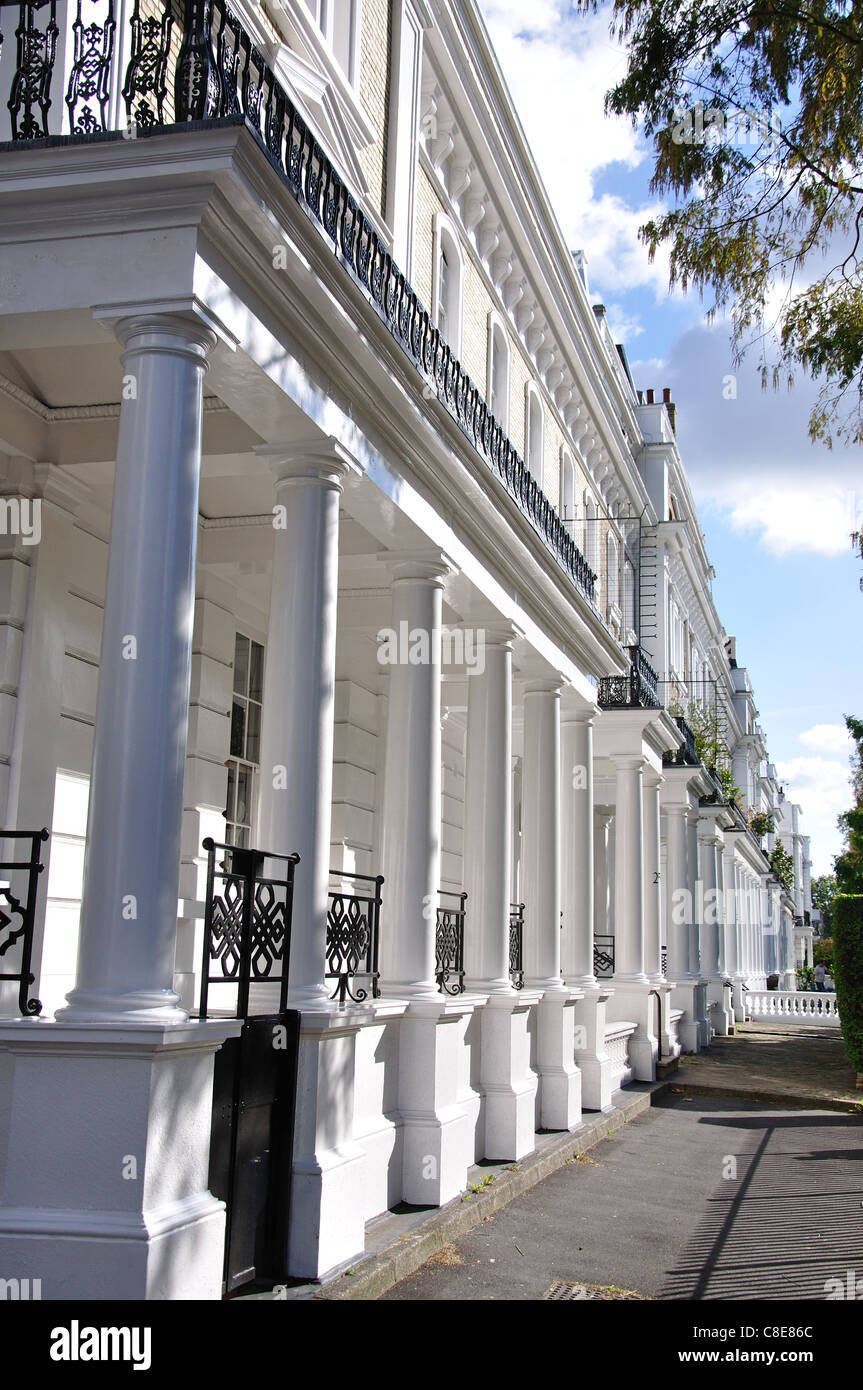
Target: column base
column 591, row 1057
column 435, row 1125
column 508, row 1082
column 688, row 1029
column 738, row 998
column 559, row 1098
column 105, row 1193
column 719, row 1007
column 634, row 1002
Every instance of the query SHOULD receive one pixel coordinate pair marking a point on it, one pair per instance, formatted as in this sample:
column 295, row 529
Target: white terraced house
column 360, row 662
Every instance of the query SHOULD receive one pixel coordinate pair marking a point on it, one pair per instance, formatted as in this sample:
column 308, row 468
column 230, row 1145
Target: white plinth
column 105, row 1192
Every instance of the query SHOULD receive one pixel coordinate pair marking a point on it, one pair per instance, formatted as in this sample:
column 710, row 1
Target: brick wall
column 375, row 45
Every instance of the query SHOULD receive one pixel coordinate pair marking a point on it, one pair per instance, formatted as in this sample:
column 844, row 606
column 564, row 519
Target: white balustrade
column 795, row 1006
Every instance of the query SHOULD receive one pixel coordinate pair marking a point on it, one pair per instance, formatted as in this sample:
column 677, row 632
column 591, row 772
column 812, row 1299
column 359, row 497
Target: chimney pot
column 650, row 395
column 666, row 395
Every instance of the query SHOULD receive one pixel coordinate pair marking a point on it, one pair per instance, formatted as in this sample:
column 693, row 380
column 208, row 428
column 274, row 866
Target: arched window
column 612, row 557
column 534, row 431
column 629, row 598
column 567, row 489
column 448, row 281
column 498, row 370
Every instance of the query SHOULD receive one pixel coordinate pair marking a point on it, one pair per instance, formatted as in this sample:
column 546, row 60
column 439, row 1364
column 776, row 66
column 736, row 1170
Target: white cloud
column 827, row 738
column 558, row 66
column 747, row 451
column 821, row 786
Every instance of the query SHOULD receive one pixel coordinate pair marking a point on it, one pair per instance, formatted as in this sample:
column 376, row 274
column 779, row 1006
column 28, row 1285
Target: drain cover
column 561, row 1289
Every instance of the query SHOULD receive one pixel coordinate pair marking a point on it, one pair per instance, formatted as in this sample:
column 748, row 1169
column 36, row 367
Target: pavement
column 694, row 1199
column 775, row 1062
column 738, row 1177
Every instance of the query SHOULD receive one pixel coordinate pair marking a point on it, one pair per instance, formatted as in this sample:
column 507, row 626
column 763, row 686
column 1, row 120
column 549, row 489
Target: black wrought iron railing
column 603, row 957
column 634, row 690
column 686, row 755
column 219, row 74
column 247, row 924
column 353, row 935
column 664, row 960
column 18, row 914
column 516, row 944
column 449, row 942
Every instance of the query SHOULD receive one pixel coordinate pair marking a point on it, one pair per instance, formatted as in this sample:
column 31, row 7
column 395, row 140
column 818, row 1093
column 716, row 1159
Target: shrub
column 848, row 963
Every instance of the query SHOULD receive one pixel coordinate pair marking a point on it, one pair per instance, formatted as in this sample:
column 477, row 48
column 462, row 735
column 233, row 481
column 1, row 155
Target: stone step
column 666, row 1067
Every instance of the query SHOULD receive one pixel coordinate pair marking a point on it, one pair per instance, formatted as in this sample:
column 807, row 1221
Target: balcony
column 635, row 690
column 685, row 755
column 219, row 75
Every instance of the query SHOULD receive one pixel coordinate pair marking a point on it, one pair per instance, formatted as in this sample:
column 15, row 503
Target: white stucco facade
column 253, row 505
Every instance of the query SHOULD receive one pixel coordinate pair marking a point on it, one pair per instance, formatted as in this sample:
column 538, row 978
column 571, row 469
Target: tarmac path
column 697, row 1198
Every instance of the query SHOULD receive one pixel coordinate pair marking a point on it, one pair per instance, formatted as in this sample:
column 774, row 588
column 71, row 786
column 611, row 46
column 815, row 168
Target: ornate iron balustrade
column 14, row 935
column 353, row 935
column 220, row 74
column 635, row 690
column 685, row 755
column 247, row 923
column 603, row 957
column 516, row 944
column 449, row 944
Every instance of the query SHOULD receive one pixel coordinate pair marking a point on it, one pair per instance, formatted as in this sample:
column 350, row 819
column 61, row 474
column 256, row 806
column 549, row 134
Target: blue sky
column 777, row 511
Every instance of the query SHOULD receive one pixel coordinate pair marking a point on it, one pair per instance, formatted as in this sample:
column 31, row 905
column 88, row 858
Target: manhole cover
column 561, row 1289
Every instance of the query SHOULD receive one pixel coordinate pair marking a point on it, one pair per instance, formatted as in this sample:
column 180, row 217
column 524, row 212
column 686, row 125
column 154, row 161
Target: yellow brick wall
column 375, row 43
column 426, row 208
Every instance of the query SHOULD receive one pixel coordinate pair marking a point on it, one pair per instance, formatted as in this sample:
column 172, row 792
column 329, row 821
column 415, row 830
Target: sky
column 776, row 511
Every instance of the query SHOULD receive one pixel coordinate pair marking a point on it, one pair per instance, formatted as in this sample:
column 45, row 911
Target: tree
column 756, row 113
column 848, row 866
column 823, row 892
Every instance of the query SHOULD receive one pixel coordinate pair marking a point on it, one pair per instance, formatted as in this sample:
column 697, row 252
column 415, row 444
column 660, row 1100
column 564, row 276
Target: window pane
column 238, row 730
column 256, row 673
column 232, row 788
column 244, row 783
column 253, row 733
column 241, row 664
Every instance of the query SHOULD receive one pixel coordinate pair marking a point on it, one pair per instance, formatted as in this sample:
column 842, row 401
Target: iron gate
column 247, row 940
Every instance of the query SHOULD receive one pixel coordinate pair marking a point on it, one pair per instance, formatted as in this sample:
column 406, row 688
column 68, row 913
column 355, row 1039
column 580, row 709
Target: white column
column 652, row 886
column 629, row 871
column 708, row 932
column 506, row 1079
column 678, row 910
column 560, row 1082
column 577, row 885
column 488, row 816
column 131, row 872
column 437, row 1135
column 410, row 840
column 541, row 834
column 122, row 1074
column 297, row 734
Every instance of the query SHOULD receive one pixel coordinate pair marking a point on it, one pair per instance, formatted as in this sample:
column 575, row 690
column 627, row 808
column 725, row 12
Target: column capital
column 322, row 460
column 497, row 631
column 166, row 315
column 430, row 566
column 544, row 685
